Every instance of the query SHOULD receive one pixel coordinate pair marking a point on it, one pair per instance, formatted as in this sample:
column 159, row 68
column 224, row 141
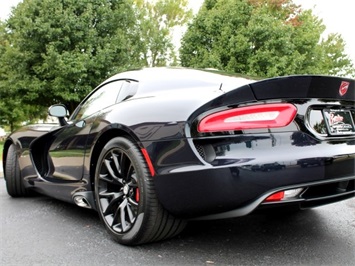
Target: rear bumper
column 244, row 174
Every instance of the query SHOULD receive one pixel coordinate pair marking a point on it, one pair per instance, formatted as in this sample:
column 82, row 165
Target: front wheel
column 126, row 199
column 14, row 182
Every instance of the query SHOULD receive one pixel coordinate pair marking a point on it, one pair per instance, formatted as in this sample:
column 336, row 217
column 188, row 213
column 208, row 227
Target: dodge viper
column 151, row 149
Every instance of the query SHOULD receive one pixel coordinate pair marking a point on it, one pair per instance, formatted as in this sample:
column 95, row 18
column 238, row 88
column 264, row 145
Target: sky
column 336, row 16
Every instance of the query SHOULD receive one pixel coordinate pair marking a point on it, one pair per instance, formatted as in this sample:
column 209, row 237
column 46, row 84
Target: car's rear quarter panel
column 251, row 165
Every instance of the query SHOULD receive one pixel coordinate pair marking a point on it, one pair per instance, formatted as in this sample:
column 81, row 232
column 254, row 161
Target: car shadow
column 252, row 231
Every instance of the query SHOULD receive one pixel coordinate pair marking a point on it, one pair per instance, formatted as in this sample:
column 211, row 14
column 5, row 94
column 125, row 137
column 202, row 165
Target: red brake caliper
column 137, row 195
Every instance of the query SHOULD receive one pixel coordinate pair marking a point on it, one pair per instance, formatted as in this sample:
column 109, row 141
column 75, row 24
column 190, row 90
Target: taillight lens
column 249, row 117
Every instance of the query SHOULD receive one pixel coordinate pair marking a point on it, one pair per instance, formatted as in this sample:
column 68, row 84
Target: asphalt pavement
column 43, row 231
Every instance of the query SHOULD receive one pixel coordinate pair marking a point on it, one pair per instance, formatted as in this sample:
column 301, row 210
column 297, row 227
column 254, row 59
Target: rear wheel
column 14, row 182
column 126, row 199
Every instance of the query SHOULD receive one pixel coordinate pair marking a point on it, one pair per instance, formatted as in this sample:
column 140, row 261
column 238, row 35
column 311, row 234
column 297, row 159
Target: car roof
column 158, row 78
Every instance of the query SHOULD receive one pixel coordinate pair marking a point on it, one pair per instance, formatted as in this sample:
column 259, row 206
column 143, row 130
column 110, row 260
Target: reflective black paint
column 198, row 174
column 259, row 166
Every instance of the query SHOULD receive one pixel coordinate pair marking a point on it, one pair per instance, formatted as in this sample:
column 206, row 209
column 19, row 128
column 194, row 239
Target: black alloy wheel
column 126, row 199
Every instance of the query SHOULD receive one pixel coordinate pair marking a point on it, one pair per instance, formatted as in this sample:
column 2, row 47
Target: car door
column 67, row 151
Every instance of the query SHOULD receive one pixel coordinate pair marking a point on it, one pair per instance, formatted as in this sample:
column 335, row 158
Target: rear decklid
column 329, row 101
column 325, row 106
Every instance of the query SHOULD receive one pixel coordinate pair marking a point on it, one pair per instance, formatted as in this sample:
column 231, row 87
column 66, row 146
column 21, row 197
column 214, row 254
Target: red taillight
column 276, row 196
column 249, row 117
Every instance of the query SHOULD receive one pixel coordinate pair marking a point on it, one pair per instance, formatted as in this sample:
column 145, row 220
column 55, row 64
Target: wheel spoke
column 118, row 191
column 110, row 162
column 133, row 182
column 113, row 200
column 117, row 164
column 111, row 171
column 133, row 202
column 123, row 216
column 104, row 177
column 105, row 194
column 115, row 220
column 112, row 195
column 130, row 214
column 109, row 168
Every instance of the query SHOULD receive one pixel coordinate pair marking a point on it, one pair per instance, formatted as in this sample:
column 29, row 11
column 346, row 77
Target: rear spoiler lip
column 305, row 87
column 297, row 87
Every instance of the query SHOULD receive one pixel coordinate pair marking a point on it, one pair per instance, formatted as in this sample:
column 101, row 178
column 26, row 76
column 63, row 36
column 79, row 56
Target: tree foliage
column 263, row 38
column 12, row 110
column 154, row 30
column 57, row 51
column 60, row 50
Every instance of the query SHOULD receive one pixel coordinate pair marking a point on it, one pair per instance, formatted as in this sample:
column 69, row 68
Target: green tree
column 157, row 21
column 60, row 50
column 12, row 111
column 263, row 38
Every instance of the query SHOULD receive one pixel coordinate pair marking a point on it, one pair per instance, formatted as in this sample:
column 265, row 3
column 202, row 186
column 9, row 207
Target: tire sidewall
column 13, row 179
column 132, row 236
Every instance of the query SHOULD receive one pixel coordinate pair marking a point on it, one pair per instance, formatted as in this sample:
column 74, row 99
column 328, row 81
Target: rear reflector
column 276, row 196
column 249, row 117
column 284, row 195
column 148, row 161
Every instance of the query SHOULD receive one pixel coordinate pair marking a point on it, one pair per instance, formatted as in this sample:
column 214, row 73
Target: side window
column 128, row 90
column 100, row 99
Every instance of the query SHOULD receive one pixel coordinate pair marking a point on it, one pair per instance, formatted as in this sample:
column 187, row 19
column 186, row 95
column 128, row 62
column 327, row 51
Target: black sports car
column 153, row 148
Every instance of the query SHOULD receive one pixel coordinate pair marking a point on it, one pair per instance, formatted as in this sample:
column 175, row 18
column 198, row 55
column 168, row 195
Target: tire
column 14, row 182
column 126, row 199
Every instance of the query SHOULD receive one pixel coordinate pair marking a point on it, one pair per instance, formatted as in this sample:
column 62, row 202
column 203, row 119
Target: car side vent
column 201, row 151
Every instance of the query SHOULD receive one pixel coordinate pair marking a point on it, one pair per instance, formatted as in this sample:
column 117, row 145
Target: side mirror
column 60, row 111
column 57, row 110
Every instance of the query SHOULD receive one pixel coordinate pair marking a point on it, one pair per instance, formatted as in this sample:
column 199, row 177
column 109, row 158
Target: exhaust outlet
column 81, row 202
column 84, row 199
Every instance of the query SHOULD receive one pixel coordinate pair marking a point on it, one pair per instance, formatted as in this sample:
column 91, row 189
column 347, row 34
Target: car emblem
column 343, row 88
